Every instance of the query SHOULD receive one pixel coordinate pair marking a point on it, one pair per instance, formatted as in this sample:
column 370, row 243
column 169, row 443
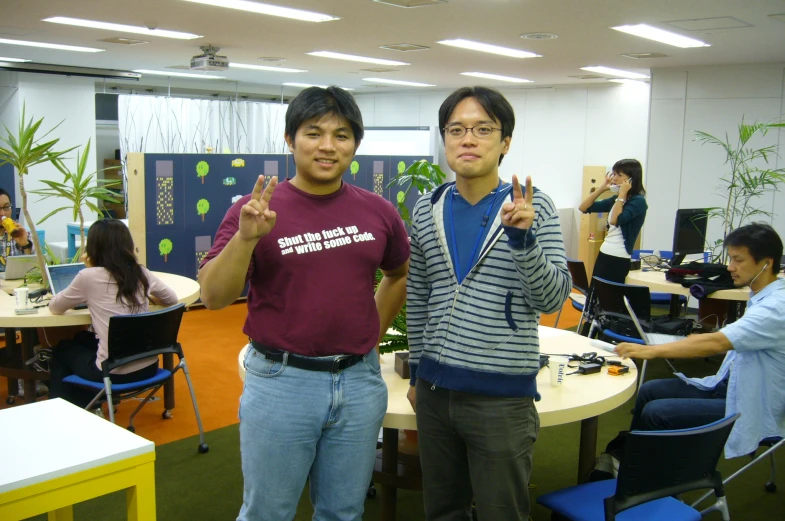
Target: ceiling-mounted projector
column 209, row 61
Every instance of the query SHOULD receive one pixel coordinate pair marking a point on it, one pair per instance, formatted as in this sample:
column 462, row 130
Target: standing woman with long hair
column 112, row 283
column 626, row 213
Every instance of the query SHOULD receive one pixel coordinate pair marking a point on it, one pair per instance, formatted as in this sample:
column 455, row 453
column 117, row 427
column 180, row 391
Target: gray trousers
column 475, row 446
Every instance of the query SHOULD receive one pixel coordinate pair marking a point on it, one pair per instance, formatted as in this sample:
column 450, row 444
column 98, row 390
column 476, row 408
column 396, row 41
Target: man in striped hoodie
column 487, row 258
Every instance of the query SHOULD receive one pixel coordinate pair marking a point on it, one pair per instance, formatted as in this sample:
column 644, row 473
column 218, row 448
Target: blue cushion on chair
column 585, row 503
column 159, row 376
column 620, row 338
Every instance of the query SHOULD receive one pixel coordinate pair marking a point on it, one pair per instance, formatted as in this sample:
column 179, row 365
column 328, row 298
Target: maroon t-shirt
column 311, row 278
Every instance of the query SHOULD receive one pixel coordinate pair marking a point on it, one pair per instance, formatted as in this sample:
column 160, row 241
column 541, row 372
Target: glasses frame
column 446, row 130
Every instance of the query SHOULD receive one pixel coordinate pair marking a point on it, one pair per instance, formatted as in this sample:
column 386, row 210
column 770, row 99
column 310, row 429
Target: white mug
column 558, row 372
column 22, row 302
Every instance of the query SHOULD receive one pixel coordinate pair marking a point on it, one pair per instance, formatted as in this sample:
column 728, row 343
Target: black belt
column 334, row 364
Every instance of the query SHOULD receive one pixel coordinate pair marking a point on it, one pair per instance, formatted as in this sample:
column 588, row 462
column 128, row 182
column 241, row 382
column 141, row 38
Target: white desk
column 187, row 291
column 655, row 281
column 55, row 454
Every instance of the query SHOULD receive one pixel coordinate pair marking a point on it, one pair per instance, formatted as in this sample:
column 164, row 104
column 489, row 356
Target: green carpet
column 208, row 487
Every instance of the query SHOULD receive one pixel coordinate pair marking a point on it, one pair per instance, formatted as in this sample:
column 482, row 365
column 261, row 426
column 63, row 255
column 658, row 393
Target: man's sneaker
column 40, row 389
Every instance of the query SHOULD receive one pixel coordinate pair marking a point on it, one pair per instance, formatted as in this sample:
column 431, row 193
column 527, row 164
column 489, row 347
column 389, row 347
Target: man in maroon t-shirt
column 314, row 398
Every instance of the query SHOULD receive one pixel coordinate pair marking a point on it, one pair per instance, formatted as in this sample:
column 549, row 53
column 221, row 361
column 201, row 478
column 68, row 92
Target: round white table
column 582, row 398
column 187, row 291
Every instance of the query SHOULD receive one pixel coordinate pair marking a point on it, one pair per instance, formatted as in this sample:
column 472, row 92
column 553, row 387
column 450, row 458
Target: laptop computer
column 650, row 339
column 16, row 267
column 61, row 275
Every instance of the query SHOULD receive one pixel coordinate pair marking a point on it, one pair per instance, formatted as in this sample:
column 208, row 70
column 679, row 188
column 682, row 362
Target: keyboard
column 656, row 339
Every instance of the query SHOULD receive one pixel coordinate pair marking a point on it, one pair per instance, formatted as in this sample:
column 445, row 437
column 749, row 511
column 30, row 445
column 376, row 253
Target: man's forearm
column 223, row 278
column 695, row 346
column 390, row 296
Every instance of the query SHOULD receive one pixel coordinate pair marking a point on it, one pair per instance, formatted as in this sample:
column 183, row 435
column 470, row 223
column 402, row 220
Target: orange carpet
column 211, row 341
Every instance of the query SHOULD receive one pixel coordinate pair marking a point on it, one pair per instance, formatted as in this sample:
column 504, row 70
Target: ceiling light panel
column 55, row 46
column 93, row 24
column 660, row 35
column 398, row 82
column 410, row 3
column 263, row 67
column 709, row 24
column 496, row 77
column 268, row 9
column 486, row 47
column 308, row 85
column 599, row 69
column 354, row 58
column 179, row 74
column 404, row 47
column 14, row 60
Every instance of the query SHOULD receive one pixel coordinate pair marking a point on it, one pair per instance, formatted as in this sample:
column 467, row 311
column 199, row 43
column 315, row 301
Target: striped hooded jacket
column 480, row 336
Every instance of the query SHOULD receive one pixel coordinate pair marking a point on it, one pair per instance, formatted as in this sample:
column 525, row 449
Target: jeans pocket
column 257, row 365
column 372, row 361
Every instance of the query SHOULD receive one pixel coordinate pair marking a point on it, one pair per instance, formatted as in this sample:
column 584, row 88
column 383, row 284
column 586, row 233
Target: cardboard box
column 402, row 364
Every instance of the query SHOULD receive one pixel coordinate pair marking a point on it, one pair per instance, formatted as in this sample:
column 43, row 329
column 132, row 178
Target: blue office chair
column 579, row 283
column 655, row 467
column 610, row 306
column 136, row 337
column 658, row 298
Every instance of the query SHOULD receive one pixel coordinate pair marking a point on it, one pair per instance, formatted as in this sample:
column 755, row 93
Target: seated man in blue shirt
column 751, row 379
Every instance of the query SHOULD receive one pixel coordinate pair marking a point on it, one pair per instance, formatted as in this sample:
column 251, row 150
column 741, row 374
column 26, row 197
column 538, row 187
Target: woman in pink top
column 112, row 283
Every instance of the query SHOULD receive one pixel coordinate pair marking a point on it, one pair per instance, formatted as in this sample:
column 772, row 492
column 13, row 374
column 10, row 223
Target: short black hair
column 631, row 168
column 315, row 102
column 3, row 192
column 491, row 100
column 761, row 240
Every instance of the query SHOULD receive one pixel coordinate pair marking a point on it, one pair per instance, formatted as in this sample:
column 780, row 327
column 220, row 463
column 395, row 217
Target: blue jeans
column 673, row 404
column 297, row 424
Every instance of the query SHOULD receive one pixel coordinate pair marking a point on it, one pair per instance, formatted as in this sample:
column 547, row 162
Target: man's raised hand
column 256, row 218
column 520, row 212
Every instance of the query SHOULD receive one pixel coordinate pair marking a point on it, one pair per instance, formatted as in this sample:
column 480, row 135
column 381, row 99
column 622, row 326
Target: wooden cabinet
column 114, row 172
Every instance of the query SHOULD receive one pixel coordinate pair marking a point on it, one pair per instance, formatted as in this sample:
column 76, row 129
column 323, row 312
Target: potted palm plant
column 422, row 176
column 79, row 189
column 749, row 178
column 24, row 150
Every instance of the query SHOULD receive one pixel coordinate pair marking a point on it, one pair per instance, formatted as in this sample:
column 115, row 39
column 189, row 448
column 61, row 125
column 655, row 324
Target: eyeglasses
column 480, row 131
column 6, row 208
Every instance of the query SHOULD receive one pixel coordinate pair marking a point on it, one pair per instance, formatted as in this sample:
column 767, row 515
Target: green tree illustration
column 202, row 207
column 401, row 167
column 355, row 168
column 202, row 168
column 165, row 248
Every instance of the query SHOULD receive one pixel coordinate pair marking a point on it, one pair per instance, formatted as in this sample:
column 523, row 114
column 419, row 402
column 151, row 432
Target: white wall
column 683, row 173
column 69, row 101
column 558, row 131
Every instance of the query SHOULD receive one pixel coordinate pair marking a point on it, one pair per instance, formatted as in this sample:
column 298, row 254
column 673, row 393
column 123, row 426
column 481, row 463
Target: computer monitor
column 689, row 233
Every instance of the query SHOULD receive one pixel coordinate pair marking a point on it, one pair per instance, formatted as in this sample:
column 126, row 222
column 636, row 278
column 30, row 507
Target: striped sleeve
column 416, row 291
column 541, row 265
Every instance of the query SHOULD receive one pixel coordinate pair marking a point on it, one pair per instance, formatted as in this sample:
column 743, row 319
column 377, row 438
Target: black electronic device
column 689, row 233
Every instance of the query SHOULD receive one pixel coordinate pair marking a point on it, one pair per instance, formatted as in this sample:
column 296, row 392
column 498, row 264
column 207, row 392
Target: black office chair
column 580, row 283
column 136, row 337
column 610, row 307
column 656, row 466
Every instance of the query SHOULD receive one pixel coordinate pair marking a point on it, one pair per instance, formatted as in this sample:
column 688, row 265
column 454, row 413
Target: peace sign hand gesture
column 520, row 212
column 256, row 218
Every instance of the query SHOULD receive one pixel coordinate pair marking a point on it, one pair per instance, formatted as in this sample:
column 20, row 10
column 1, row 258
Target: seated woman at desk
column 112, row 283
column 21, row 243
column 626, row 213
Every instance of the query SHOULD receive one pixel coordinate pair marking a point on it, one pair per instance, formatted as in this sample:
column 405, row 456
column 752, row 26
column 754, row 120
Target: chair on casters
column 132, row 338
column 656, row 466
column 581, row 284
column 771, row 445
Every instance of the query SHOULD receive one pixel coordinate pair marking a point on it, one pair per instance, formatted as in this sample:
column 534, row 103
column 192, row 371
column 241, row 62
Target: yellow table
column 581, row 398
column 55, row 454
column 187, row 291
